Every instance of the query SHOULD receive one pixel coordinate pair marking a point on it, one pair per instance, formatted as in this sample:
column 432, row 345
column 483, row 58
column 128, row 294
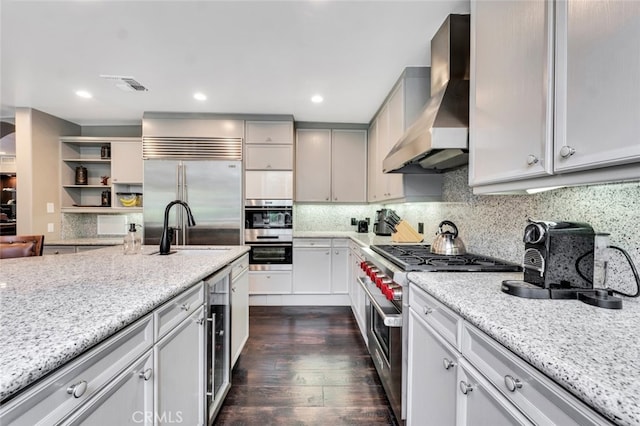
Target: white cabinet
column 478, row 403
column 598, row 114
column 180, row 370
column 268, row 185
column 431, row 376
column 311, row 266
column 269, row 132
column 126, row 161
column 339, row 266
column 459, row 375
column 566, row 119
column 320, row 266
column 270, row 282
column 239, row 306
column 356, row 293
column 400, row 109
column 268, row 157
column 331, row 165
column 128, row 400
column 313, row 165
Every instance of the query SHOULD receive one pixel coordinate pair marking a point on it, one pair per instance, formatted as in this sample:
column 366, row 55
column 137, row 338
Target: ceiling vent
column 127, row 84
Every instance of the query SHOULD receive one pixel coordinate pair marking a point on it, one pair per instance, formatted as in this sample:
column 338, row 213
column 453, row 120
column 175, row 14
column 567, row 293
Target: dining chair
column 21, row 246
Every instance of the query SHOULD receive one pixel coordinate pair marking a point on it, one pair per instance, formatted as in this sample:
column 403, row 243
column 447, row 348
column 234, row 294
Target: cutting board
column 406, row 234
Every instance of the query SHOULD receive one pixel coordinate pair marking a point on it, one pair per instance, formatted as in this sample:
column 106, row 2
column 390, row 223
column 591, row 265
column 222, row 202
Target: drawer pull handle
column 427, row 310
column 532, row 159
column 465, row 387
column 567, row 151
column 447, row 363
column 185, row 307
column 199, row 321
column 78, row 389
column 512, row 383
column 146, row 374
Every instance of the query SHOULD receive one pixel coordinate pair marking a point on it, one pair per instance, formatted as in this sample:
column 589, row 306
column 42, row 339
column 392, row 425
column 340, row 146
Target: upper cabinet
column 402, row 106
column 269, row 145
column 96, row 172
column 553, row 93
column 331, row 165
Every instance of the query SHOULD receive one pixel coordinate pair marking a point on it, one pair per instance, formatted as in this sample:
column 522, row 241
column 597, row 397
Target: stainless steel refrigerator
column 212, row 188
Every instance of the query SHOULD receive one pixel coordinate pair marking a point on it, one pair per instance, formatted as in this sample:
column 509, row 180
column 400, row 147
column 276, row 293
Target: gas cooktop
column 419, row 258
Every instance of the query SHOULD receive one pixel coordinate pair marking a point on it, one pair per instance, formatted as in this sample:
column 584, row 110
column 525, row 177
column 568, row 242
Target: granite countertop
column 54, row 308
column 592, row 352
column 85, row 242
column 364, row 239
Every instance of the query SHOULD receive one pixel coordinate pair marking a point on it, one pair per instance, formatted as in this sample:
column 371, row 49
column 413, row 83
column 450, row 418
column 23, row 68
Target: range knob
column 393, row 291
column 383, row 281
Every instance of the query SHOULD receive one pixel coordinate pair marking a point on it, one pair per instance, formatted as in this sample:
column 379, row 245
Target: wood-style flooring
column 304, row 366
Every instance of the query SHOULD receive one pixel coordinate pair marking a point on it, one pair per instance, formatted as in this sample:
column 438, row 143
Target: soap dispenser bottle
column 132, row 241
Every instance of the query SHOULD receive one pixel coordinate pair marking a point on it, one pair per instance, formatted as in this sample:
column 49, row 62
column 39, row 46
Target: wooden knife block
column 406, row 234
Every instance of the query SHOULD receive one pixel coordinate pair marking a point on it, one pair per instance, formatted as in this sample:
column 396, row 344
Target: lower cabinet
column 320, row 266
column 459, row 375
column 239, row 307
column 432, row 382
column 179, row 366
column 128, row 400
column 356, row 293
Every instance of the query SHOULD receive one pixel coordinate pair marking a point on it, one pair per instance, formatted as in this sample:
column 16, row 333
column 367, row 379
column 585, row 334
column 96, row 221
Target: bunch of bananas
column 128, row 202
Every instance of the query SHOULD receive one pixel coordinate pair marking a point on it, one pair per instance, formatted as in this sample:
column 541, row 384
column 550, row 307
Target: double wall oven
column 385, row 284
column 268, row 230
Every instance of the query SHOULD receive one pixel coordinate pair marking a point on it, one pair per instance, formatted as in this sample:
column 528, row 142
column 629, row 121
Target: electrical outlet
column 49, row 227
column 50, row 208
column 354, row 221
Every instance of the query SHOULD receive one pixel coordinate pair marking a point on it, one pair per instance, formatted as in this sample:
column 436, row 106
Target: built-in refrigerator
column 206, row 173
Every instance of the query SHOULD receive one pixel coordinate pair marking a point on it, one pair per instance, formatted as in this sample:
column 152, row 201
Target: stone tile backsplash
column 494, row 224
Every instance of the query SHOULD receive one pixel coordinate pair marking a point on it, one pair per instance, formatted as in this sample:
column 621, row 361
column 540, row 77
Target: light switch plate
column 50, row 208
column 49, row 227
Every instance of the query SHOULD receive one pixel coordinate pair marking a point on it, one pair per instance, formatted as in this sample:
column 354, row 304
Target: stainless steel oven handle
column 389, row 320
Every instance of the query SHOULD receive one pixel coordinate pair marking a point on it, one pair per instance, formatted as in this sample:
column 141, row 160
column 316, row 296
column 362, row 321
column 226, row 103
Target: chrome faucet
column 167, row 231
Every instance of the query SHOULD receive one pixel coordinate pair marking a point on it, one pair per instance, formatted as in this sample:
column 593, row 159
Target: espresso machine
column 559, row 263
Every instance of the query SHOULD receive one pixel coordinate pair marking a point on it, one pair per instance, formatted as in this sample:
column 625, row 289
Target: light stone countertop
column 54, row 308
column 592, row 352
column 85, row 242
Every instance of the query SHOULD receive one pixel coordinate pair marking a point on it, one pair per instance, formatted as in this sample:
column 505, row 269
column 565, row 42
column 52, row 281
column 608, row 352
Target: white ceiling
column 264, row 57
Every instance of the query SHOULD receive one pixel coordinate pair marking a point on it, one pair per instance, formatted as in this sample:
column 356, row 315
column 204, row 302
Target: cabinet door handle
column 199, row 321
column 465, row 387
column 532, row 159
column 447, row 363
column 78, row 389
column 512, row 383
column 427, row 310
column 146, row 374
column 185, row 307
column 567, row 151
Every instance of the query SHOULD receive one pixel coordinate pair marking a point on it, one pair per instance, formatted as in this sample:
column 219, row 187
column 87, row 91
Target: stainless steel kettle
column 447, row 242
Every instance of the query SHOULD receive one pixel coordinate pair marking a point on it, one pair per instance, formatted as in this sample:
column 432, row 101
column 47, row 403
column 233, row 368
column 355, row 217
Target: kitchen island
column 593, row 353
column 55, row 308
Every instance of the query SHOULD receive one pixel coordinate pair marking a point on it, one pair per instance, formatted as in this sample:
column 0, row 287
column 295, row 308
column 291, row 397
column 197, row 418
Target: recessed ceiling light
column 200, row 96
column 84, row 94
column 316, row 99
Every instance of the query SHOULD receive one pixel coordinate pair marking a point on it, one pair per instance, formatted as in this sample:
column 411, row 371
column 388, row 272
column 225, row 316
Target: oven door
column 384, row 334
column 270, row 257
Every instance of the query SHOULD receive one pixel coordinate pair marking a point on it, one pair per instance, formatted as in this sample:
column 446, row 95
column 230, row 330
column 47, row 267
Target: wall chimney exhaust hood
column 439, row 138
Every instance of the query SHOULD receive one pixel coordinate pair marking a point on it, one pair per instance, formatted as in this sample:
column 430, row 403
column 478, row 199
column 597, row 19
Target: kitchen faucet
column 167, row 232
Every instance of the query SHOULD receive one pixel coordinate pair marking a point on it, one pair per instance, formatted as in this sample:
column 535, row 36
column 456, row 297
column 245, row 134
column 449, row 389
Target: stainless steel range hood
column 439, row 138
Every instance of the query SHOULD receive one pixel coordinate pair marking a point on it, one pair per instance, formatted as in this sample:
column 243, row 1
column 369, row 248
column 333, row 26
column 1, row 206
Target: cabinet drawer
column 269, row 157
column 434, row 313
column 270, row 282
column 171, row 313
column 52, row 399
column 538, row 397
column 277, row 132
column 58, row 250
column 340, row 242
column 238, row 266
column 312, row 242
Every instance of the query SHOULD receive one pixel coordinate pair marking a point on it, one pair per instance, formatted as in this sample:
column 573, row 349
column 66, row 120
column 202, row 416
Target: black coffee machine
column 559, row 264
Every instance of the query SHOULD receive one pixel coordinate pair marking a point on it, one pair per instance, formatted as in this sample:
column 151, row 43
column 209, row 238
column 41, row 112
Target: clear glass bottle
column 132, row 241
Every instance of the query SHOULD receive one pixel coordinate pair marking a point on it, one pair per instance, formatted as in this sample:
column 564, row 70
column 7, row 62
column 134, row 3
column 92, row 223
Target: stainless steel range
column 386, row 286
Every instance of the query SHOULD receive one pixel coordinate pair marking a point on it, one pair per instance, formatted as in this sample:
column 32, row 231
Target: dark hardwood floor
column 305, row 366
